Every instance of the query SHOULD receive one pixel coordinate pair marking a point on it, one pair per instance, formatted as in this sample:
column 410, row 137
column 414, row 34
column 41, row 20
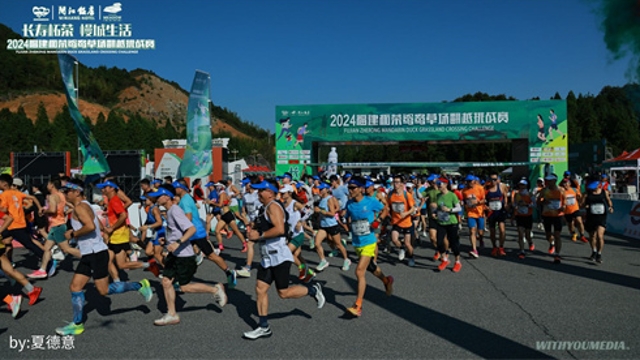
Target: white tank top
column 294, row 217
column 92, row 242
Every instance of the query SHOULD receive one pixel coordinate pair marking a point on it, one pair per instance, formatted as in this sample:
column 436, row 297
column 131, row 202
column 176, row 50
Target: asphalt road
column 493, row 308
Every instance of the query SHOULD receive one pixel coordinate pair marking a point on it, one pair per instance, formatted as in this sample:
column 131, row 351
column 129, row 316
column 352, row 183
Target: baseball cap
column 315, row 177
column 409, row 184
column 72, row 186
column 593, row 185
column 369, row 183
column 287, row 175
column 210, row 183
column 442, row 180
column 523, row 182
column 432, row 177
column 143, row 198
column 107, row 183
column 246, row 181
column 551, row 177
column 356, row 183
column 567, row 173
column 220, row 184
column 347, row 175
column 323, row 185
column 265, row 185
column 470, row 177
column 17, row 182
column 179, row 185
column 161, row 191
column 285, row 189
column 156, row 181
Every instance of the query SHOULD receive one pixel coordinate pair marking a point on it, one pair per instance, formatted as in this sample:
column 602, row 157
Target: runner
column 213, row 211
column 523, row 203
column 496, row 199
column 473, row 197
column 228, row 217
column 572, row 198
column 11, row 203
column 154, row 229
column 180, row 265
column 57, row 227
column 269, row 233
column 402, row 206
column 200, row 237
column 94, row 261
column 553, row 118
column 362, row 211
column 596, row 202
column 296, row 237
column 553, row 206
column 448, row 206
column 327, row 209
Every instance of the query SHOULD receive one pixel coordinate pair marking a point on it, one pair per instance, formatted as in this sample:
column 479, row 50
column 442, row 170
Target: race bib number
column 471, row 201
column 495, row 205
column 597, row 209
column 397, row 207
column 554, row 204
column 360, row 227
column 571, row 200
column 443, row 216
column 250, row 207
column 523, row 209
column 150, row 234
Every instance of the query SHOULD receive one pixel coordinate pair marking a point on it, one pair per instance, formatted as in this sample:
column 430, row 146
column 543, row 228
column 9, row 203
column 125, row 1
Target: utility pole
column 234, row 152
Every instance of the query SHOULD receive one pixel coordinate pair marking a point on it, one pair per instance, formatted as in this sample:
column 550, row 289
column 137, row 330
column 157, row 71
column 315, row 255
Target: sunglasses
column 352, row 187
column 397, row 182
column 494, row 179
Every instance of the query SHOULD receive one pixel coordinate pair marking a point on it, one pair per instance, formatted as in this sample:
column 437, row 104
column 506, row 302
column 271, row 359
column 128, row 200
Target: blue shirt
column 342, row 194
column 188, row 205
column 360, row 213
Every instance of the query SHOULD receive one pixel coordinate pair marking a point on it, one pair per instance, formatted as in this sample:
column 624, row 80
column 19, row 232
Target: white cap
column 17, row 182
column 551, row 177
column 285, row 189
column 409, row 184
column 220, row 185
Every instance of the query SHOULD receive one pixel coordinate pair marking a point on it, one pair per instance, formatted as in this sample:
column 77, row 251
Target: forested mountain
column 127, row 109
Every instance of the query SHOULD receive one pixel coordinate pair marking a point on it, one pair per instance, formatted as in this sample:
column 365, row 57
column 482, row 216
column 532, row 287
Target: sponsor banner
column 626, row 218
column 196, row 162
column 94, row 161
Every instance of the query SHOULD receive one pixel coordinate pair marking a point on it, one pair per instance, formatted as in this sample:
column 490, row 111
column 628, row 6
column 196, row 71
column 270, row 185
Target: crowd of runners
column 356, row 215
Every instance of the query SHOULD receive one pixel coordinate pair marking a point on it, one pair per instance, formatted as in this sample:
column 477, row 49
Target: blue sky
column 263, row 53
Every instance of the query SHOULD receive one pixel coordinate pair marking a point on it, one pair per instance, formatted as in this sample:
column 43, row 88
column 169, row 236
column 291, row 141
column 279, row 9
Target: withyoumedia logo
column 581, row 345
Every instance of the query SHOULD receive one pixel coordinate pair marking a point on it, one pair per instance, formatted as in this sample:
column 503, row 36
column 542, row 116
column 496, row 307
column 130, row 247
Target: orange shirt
column 12, row 200
column 553, row 202
column 400, row 204
column 472, row 196
column 59, row 218
column 571, row 201
column 522, row 203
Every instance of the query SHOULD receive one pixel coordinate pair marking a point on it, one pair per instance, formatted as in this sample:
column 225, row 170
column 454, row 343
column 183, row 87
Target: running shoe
column 593, row 256
column 244, row 272
column 401, row 254
column 474, row 254
column 521, row 255
column 310, row 276
column 34, row 295
column 199, row 258
column 220, row 296
column 258, row 333
column 244, row 247
column 411, row 262
column 346, row 264
column 495, row 252
column 153, row 267
column 56, row 253
column 38, row 274
column 557, row 259
column 146, row 291
column 388, row 286
column 53, row 268
column 584, row 239
column 221, row 247
column 532, row 247
column 319, row 296
column 70, row 329
column 302, row 271
column 501, row 252
column 13, row 303
column 457, row 266
column 552, row 249
column 334, row 253
column 443, row 264
column 134, row 256
column 216, row 251
column 232, row 279
column 574, row 237
column 436, row 256
column 355, row 310
column 599, row 258
column 229, row 234
column 167, row 319
column 322, row 265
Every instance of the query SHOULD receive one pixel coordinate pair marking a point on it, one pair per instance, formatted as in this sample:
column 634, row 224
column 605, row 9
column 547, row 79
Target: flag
column 94, row 160
column 197, row 162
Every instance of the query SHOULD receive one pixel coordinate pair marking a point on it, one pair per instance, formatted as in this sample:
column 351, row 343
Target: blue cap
column 593, row 185
column 567, row 173
column 156, row 181
column 287, row 175
column 315, row 177
column 470, row 177
column 412, row 177
column 178, row 185
column 323, row 185
column 432, row 177
column 265, row 185
column 604, row 175
column 161, row 191
column 356, row 183
column 461, row 186
column 347, row 175
column 72, row 186
column 143, row 198
column 210, row 183
column 369, row 184
column 107, row 183
column 246, row 181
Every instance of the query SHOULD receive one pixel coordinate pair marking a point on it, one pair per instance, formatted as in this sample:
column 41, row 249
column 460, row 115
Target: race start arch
column 537, row 129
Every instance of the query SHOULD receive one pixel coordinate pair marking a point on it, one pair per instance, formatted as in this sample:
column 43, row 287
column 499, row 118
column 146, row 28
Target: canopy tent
column 258, row 170
column 624, row 161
